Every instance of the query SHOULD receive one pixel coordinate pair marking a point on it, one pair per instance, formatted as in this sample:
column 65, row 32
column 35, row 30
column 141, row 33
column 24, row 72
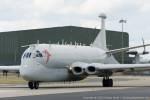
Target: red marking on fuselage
column 48, row 55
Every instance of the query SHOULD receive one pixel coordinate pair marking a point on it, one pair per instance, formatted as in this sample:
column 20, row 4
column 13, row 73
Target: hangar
column 11, row 42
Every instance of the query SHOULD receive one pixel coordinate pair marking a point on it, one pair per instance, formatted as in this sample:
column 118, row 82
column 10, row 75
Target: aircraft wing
column 121, row 67
column 99, row 68
column 10, row 68
column 125, row 49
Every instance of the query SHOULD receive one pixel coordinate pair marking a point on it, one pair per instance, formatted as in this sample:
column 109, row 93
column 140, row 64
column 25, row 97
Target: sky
column 32, row 14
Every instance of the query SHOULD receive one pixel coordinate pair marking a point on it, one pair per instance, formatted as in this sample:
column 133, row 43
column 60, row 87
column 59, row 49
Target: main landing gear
column 107, row 82
column 33, row 85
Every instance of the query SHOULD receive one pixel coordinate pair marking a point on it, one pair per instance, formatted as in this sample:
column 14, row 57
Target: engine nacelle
column 91, row 70
column 78, row 68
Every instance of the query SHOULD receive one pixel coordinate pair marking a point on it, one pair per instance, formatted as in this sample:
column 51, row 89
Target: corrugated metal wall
column 11, row 42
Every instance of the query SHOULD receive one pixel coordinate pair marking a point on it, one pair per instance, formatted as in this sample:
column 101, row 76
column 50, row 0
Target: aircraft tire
column 107, row 82
column 36, row 85
column 31, row 85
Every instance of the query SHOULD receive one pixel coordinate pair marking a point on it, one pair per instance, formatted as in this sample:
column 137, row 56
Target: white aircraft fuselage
column 56, row 63
column 50, row 62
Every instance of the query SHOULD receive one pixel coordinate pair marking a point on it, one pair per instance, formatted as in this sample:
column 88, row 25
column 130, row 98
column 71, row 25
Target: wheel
column 103, row 82
column 110, row 83
column 36, row 85
column 31, row 85
column 107, row 82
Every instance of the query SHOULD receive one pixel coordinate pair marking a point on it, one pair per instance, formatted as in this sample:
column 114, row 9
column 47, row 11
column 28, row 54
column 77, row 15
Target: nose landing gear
column 33, row 85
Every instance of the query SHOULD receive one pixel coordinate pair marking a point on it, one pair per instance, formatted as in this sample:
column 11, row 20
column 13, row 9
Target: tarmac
column 125, row 88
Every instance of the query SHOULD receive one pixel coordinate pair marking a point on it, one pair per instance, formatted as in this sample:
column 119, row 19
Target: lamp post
column 122, row 21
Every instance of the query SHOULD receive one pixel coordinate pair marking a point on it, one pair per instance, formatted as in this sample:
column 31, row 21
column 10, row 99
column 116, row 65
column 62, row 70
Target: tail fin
column 100, row 41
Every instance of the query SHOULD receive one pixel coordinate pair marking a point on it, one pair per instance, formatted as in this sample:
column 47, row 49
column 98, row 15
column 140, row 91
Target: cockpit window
column 24, row 55
column 27, row 55
column 38, row 54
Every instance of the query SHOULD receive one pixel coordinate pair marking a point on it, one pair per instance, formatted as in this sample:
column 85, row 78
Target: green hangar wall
column 11, row 42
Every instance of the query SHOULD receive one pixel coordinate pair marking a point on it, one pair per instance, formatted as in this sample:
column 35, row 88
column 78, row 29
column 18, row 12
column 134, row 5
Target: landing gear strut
column 107, row 82
column 33, row 85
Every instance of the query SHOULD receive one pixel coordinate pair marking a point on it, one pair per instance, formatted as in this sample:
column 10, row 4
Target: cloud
column 48, row 5
column 25, row 14
column 92, row 7
column 98, row 6
column 29, row 14
column 90, row 23
column 144, row 5
column 16, row 9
